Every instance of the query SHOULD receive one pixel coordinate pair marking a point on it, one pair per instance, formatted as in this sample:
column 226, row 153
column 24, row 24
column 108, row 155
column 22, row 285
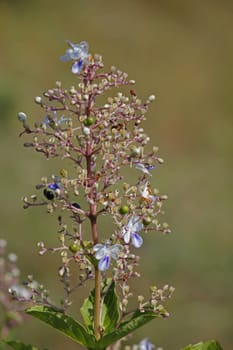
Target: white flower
column 130, row 231
column 20, row 292
column 145, row 191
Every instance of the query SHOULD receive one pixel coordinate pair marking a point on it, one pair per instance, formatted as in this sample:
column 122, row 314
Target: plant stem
column 97, row 277
column 97, row 303
column 93, row 219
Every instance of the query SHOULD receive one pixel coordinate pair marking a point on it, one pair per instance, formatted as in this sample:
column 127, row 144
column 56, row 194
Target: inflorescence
column 100, row 141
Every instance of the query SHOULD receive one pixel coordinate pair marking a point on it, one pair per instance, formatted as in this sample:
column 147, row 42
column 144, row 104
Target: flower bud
column 38, row 100
column 151, row 98
column 140, row 298
column 22, row 117
column 146, row 221
column 73, row 248
column 86, row 131
column 63, row 172
column 160, row 160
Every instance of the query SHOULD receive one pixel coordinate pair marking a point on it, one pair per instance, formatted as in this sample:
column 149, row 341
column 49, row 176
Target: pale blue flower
column 145, row 345
column 145, row 168
column 78, row 53
column 130, row 231
column 55, row 120
column 104, row 253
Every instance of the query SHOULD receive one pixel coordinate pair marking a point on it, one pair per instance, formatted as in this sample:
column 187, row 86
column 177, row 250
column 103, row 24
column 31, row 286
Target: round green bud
column 146, row 221
column 124, row 209
column 73, row 248
column 89, row 121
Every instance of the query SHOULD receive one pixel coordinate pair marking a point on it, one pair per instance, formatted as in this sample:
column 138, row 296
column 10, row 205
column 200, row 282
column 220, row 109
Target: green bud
column 124, row 209
column 73, row 248
column 146, row 221
column 89, row 121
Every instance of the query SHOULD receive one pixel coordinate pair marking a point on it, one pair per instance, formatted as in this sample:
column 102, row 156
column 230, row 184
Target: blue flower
column 78, row 53
column 104, row 253
column 145, row 345
column 130, row 231
column 145, row 168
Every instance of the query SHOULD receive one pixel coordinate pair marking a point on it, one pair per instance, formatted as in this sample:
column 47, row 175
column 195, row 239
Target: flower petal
column 76, row 53
column 54, row 186
column 133, row 220
column 139, row 226
column 115, row 250
column 67, row 55
column 125, row 232
column 99, row 250
column 77, row 67
column 137, row 240
column 104, row 263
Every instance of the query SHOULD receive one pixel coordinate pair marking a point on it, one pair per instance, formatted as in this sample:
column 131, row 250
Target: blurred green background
column 181, row 51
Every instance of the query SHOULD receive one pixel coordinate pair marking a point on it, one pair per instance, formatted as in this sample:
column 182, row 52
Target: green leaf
column 65, row 324
column 87, row 312
column 18, row 345
column 137, row 320
column 208, row 345
column 110, row 310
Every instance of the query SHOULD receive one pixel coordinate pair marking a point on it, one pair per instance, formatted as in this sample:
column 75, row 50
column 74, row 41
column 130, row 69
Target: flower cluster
column 99, row 142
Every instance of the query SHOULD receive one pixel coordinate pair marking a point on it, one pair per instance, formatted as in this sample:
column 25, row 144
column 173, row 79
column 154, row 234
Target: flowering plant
column 97, row 142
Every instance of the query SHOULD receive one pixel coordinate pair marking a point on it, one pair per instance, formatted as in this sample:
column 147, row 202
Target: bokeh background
column 182, row 51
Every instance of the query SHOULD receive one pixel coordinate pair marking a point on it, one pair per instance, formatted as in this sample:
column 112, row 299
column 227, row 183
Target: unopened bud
column 86, row 131
column 151, row 98
column 160, row 160
column 38, row 100
column 22, row 117
column 140, row 298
